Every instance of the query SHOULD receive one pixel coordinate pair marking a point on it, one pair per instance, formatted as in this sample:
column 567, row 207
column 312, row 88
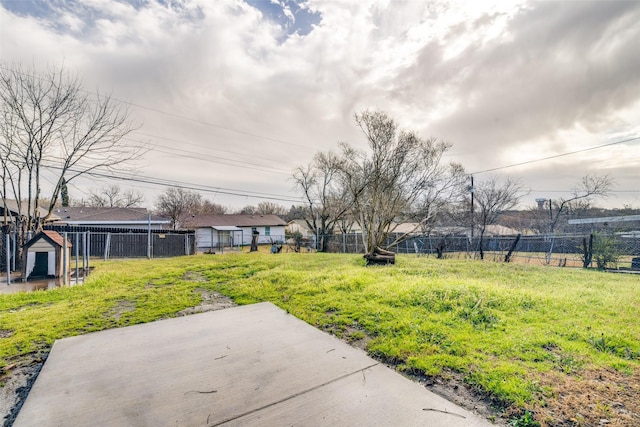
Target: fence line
column 562, row 249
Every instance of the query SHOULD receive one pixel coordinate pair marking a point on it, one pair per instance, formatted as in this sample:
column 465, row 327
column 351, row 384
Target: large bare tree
column 50, row 127
column 400, row 174
column 327, row 198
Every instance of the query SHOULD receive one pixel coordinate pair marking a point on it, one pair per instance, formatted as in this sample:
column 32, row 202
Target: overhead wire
column 181, row 141
column 557, row 156
column 213, row 159
column 189, row 186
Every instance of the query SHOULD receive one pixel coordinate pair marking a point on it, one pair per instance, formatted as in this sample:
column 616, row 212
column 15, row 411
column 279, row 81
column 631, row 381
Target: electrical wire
column 556, row 156
column 187, row 186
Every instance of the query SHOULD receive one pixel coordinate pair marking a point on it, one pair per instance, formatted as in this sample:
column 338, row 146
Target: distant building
column 220, row 231
column 13, row 213
column 111, row 218
column 300, row 226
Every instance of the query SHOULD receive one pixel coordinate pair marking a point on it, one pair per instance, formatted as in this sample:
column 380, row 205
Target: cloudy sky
column 232, row 95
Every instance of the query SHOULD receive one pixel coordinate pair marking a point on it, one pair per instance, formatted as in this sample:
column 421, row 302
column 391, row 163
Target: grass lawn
column 563, row 344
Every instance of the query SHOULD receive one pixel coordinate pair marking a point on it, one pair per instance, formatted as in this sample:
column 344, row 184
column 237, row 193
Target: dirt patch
column 356, row 337
column 211, row 301
column 602, row 397
column 15, row 382
column 193, row 276
column 5, row 333
column 451, row 386
column 121, row 308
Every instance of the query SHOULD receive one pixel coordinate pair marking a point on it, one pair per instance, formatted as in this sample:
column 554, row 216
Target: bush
column 606, row 251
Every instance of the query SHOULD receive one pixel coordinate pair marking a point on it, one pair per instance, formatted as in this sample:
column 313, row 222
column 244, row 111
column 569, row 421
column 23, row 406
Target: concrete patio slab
column 248, row 365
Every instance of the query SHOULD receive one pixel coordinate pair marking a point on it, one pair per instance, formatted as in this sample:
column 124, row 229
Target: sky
column 231, row 96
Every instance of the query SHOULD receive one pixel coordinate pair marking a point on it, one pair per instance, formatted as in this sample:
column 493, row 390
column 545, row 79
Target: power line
column 188, row 186
column 211, row 158
column 556, row 156
column 201, row 145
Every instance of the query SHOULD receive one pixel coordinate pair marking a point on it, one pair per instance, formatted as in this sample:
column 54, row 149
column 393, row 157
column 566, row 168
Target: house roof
column 200, row 221
column 92, row 215
column 406, row 228
column 51, row 236
column 12, row 206
column 298, row 223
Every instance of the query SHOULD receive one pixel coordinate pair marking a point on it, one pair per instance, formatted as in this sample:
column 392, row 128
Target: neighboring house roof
column 500, row 230
column 90, row 215
column 406, row 228
column 298, row 225
column 51, row 236
column 200, row 221
column 12, row 206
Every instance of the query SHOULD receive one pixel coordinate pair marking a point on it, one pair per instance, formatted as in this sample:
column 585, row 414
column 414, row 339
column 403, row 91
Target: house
column 12, row 211
column 219, row 231
column 300, row 226
column 112, row 218
column 45, row 255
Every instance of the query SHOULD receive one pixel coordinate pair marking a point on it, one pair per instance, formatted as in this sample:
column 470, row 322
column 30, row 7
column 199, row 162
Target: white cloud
column 503, row 81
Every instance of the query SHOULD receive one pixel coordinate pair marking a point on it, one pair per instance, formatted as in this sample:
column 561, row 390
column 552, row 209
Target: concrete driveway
column 252, row 365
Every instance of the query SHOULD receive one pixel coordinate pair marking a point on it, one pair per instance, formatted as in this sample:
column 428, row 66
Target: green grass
column 501, row 326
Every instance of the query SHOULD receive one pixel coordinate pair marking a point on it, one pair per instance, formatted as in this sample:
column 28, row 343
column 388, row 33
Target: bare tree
column 492, row 198
column 114, row 197
column 401, row 173
column 327, row 198
column 271, row 208
column 51, row 127
column 209, row 208
column 178, row 204
column 247, row 210
column 589, row 187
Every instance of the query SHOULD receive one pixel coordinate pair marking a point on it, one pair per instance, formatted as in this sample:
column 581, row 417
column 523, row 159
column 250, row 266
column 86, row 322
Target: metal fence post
column 107, row 244
column 14, row 251
column 149, row 236
column 64, row 258
column 77, row 252
column 88, row 248
column 8, row 255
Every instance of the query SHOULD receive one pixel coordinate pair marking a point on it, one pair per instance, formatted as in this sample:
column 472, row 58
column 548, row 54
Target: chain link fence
column 108, row 244
column 559, row 250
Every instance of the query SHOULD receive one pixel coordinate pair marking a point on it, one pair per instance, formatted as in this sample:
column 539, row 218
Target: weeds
column 525, row 420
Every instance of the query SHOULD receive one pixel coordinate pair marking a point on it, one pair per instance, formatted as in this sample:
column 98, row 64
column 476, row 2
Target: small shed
column 44, row 255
